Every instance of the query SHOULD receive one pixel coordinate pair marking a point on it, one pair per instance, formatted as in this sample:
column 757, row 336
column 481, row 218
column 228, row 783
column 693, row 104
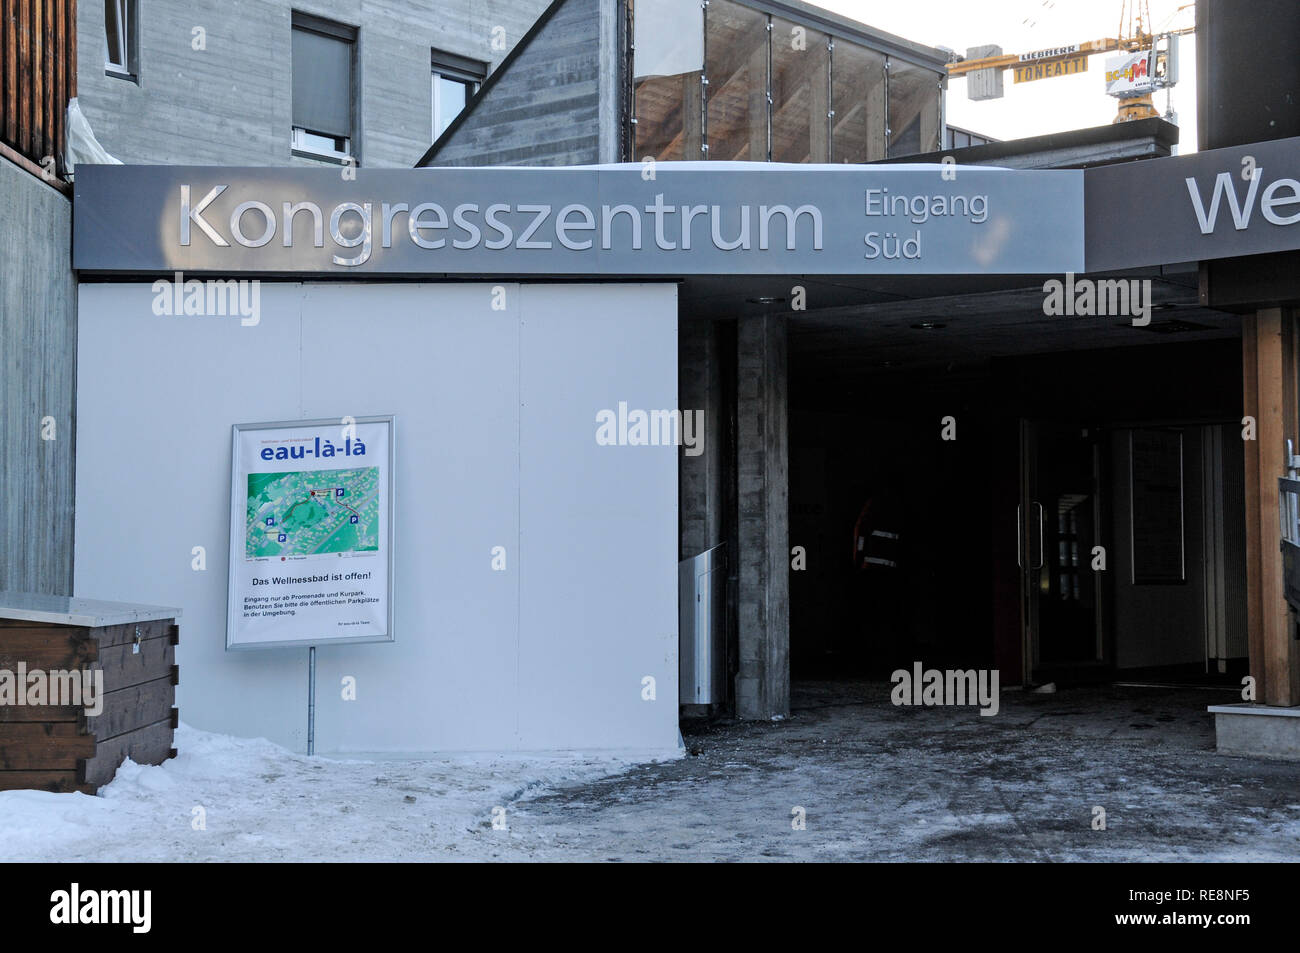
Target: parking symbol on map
column 270, row 521
column 353, row 520
column 338, row 491
column 281, row 538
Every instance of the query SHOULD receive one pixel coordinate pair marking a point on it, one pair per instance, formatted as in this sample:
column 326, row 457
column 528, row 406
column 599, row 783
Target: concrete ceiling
column 868, row 325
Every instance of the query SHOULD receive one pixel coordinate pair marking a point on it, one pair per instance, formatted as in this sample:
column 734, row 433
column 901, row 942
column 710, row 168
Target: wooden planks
column 39, row 648
column 62, row 748
column 149, row 745
column 125, row 634
column 9, row 70
column 132, row 708
column 38, row 40
column 124, row 666
column 23, row 41
column 58, row 782
column 69, row 47
column 25, row 746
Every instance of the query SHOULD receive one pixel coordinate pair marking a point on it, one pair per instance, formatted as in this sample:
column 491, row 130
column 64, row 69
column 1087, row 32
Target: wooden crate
column 54, row 748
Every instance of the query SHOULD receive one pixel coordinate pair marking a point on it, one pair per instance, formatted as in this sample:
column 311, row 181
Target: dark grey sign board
column 676, row 219
column 1219, row 204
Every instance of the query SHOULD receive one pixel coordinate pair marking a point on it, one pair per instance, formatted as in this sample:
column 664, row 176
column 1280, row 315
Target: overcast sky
column 1019, row 26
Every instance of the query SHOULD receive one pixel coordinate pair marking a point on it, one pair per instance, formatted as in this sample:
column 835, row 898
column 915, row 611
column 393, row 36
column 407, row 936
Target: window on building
column 914, row 111
column 857, row 103
column 324, row 62
column 800, row 93
column 735, row 64
column 668, row 70
column 455, row 80
column 120, row 31
column 771, row 88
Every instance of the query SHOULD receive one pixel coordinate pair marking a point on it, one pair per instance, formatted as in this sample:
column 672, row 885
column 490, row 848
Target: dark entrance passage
column 1066, row 517
column 896, row 522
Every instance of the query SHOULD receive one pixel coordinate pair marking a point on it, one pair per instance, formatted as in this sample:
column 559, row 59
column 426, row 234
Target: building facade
column 681, row 80
column 284, row 83
column 207, row 83
column 1030, row 419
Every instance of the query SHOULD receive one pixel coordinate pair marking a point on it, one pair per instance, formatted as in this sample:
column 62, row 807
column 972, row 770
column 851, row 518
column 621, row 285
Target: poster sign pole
column 311, row 700
column 311, row 537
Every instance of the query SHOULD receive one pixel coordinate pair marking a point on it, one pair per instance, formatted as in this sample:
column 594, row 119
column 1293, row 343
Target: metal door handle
column 1042, row 553
column 1020, row 536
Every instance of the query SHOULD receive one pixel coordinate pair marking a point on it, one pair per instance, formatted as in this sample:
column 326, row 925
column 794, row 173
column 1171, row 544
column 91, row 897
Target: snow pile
column 242, row 799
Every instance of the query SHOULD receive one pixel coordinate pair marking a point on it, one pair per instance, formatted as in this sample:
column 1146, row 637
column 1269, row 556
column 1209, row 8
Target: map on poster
column 310, row 533
column 308, row 512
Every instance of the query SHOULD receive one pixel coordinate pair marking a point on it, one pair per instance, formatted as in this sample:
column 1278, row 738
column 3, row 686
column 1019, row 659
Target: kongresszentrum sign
column 673, row 219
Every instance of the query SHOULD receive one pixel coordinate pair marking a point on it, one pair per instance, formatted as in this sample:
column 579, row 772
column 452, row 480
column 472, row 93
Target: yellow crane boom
column 1074, row 57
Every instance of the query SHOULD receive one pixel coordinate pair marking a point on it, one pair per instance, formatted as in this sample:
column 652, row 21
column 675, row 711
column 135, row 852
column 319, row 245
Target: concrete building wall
column 763, row 501
column 703, row 493
column 232, row 103
column 554, row 104
column 495, row 431
column 38, row 345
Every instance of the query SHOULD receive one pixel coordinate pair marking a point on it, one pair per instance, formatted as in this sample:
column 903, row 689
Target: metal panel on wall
column 498, row 449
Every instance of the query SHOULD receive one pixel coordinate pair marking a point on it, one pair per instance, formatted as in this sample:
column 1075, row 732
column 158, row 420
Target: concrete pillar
column 38, row 378
column 701, row 500
column 1269, row 355
column 762, row 461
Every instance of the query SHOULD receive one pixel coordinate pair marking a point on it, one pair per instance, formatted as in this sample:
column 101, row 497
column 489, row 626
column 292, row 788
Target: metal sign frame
column 237, row 530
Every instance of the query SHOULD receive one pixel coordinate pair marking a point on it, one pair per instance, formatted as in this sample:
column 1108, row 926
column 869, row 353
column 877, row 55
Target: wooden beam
column 27, row 164
column 70, row 48
column 1275, row 348
column 1250, row 407
column 58, row 80
column 36, row 150
column 1285, row 653
column 28, row 746
column 9, row 45
column 692, row 134
column 59, row 782
column 50, row 70
column 23, row 141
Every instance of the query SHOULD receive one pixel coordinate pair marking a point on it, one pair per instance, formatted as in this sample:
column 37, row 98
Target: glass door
column 1058, row 528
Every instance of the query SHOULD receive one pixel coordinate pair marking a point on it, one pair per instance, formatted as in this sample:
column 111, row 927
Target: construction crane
column 1147, row 61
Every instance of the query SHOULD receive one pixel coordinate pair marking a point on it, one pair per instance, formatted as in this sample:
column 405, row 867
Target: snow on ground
column 261, row 802
column 879, row 782
column 875, row 782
